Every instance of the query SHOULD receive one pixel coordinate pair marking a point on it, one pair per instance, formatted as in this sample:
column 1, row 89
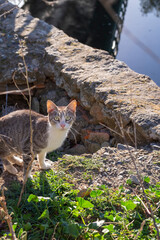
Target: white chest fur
column 56, row 138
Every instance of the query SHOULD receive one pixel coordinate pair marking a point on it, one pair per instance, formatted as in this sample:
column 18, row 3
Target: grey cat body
column 15, row 133
column 49, row 133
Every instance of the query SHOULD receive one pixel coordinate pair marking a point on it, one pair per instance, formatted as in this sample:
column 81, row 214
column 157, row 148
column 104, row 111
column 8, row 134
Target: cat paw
column 18, row 160
column 46, row 166
column 11, row 169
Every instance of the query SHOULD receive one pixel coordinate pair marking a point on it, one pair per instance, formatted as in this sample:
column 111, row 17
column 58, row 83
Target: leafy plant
column 51, row 208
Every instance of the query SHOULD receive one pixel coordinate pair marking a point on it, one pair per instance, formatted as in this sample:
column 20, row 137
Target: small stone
column 127, row 160
column 156, row 168
column 119, row 163
column 134, row 179
column 105, row 174
column 78, row 149
column 120, row 177
column 124, row 172
column 108, row 169
column 141, row 158
column 105, row 154
column 111, row 150
column 155, row 146
column 112, row 91
column 123, row 147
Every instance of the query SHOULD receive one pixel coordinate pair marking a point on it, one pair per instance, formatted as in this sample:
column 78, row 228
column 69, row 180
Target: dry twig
column 17, row 91
column 7, row 12
column 53, row 238
column 122, row 134
column 139, row 176
column 4, row 213
column 31, row 130
column 140, row 230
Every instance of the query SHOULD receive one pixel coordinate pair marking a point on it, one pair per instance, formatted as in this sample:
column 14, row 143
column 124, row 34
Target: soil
column 108, row 166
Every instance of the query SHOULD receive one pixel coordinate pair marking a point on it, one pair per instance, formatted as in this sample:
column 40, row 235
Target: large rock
column 114, row 94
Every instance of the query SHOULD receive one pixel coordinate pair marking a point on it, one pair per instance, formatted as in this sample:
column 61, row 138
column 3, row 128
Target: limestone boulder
column 126, row 102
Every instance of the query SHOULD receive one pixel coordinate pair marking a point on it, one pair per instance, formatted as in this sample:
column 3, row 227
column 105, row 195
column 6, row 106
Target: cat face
column 61, row 117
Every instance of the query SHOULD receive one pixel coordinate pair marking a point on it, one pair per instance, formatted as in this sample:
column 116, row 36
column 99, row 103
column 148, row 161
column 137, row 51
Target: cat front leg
column 41, row 158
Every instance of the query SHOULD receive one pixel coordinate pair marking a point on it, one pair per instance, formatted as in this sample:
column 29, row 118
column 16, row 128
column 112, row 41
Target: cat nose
column 62, row 125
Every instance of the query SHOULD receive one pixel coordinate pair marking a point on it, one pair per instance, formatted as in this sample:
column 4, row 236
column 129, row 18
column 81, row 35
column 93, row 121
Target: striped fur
column 49, row 133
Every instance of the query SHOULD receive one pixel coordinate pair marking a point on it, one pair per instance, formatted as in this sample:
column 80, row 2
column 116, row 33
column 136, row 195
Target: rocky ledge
column 126, row 102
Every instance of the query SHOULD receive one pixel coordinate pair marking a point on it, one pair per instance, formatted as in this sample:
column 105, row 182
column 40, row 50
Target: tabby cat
column 49, row 133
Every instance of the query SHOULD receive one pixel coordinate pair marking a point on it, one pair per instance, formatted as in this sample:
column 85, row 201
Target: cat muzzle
column 62, row 125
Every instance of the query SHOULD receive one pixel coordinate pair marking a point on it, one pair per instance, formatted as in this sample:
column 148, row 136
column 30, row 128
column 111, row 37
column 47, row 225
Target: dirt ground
column 108, row 166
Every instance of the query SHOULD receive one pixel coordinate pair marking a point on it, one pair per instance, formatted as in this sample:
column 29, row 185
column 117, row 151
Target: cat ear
column 72, row 105
column 51, row 106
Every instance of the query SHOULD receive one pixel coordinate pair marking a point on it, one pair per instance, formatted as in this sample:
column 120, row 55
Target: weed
column 50, row 206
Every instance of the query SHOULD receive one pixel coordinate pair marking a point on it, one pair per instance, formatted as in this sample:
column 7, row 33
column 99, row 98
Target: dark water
column 138, row 44
column 142, row 54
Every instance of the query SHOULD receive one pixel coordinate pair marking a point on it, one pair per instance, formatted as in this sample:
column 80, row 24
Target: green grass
column 80, row 162
column 50, row 208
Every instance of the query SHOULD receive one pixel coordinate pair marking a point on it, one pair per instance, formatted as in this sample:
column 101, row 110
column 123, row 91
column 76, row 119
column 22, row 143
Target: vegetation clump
column 52, row 208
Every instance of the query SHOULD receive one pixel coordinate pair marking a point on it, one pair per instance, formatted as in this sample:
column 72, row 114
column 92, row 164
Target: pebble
column 127, row 160
column 123, row 147
column 157, row 168
column 141, row 158
column 120, row 177
column 155, row 146
column 108, row 169
column 105, row 174
column 105, row 154
column 119, row 163
column 123, row 172
column 134, row 179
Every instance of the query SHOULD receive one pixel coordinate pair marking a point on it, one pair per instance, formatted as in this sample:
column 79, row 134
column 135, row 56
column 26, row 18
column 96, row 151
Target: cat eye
column 67, row 118
column 56, row 118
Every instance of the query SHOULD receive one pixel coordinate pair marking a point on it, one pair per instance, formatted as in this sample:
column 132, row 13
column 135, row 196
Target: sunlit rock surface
column 113, row 94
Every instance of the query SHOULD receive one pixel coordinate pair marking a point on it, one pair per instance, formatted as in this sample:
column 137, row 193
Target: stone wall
column 107, row 89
